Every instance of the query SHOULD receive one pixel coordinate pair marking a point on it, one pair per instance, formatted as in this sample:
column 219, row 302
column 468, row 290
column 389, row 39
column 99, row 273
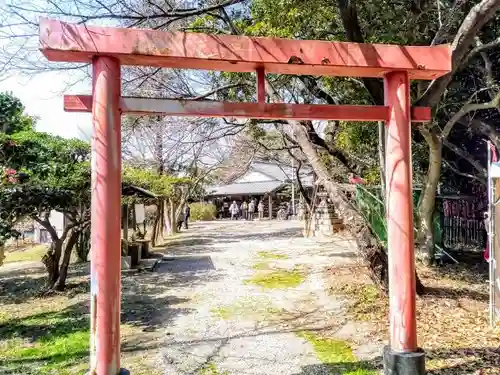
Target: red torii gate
column 109, row 48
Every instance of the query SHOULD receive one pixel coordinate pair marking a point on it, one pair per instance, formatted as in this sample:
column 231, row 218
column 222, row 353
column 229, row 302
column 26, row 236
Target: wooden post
column 270, row 206
column 134, row 224
column 401, row 357
column 105, row 224
column 125, row 221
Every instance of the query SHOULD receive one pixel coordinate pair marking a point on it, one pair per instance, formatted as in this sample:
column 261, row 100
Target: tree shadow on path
column 471, row 360
column 369, row 367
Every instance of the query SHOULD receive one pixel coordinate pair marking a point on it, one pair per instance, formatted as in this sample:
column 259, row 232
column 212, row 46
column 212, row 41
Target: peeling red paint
column 234, row 53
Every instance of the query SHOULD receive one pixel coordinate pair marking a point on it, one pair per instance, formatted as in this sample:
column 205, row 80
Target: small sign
column 139, row 213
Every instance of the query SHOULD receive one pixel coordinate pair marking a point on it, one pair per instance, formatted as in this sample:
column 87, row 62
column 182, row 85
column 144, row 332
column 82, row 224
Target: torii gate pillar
column 402, row 357
column 105, row 220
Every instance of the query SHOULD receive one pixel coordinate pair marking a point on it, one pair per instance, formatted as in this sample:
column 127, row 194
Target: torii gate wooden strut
column 109, row 48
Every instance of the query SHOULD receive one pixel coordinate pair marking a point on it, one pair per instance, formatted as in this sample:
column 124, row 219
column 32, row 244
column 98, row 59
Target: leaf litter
column 452, row 316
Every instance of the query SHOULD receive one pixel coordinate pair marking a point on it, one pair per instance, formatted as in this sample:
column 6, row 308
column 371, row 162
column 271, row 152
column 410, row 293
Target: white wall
column 56, row 219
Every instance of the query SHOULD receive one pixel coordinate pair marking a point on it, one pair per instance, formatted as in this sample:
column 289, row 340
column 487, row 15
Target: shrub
column 203, row 212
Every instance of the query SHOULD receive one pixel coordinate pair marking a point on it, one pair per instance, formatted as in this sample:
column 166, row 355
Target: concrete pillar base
column 404, row 363
column 122, row 371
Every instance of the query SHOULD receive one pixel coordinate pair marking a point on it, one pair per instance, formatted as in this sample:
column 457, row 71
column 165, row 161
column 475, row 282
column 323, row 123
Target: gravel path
column 228, row 326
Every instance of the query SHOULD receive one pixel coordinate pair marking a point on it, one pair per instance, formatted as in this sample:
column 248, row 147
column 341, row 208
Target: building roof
column 245, row 188
column 281, row 172
column 132, row 190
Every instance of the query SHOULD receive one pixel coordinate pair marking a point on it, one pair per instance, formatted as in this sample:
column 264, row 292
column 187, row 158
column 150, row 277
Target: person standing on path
column 187, row 215
column 244, row 210
column 251, row 209
column 260, row 209
column 234, row 210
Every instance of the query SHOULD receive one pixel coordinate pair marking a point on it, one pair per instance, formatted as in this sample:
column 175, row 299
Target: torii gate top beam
column 80, row 43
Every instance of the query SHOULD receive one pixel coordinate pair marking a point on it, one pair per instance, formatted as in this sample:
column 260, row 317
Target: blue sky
column 42, row 96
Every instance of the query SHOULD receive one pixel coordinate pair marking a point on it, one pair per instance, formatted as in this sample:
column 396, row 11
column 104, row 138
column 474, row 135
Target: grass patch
column 255, row 309
column 210, row 369
column 277, row 279
column 271, row 255
column 337, row 355
column 34, row 253
column 45, row 343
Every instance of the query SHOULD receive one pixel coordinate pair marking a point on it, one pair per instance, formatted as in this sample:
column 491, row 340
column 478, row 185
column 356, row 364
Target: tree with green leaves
column 46, row 173
column 12, row 116
column 169, row 190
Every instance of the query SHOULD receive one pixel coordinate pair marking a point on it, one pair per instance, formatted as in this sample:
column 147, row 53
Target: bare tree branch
column 463, row 174
column 480, row 49
column 466, row 108
column 112, row 15
column 478, row 16
column 466, row 156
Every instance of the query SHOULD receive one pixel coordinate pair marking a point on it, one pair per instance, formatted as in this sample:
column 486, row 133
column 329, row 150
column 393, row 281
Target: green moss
column 255, row 309
column 337, row 355
column 277, row 279
column 365, row 301
column 369, row 294
column 271, row 255
column 210, row 369
column 260, row 266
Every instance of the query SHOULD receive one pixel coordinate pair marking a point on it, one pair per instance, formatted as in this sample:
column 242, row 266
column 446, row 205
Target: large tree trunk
column 63, row 271
column 174, row 218
column 2, row 253
column 371, row 253
column 51, row 261
column 427, row 201
column 157, row 235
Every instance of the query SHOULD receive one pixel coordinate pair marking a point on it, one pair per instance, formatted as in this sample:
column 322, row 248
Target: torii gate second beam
column 109, row 48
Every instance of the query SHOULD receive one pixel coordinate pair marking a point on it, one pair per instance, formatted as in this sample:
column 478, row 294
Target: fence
column 457, row 223
column 462, row 223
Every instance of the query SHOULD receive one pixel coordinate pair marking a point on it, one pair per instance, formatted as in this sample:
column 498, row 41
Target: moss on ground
column 277, row 278
column 271, row 255
column 261, row 266
column 367, row 301
column 337, row 355
column 210, row 369
column 248, row 308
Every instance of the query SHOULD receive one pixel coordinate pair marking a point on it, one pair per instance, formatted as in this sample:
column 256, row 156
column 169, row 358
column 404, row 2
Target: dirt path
column 251, row 299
